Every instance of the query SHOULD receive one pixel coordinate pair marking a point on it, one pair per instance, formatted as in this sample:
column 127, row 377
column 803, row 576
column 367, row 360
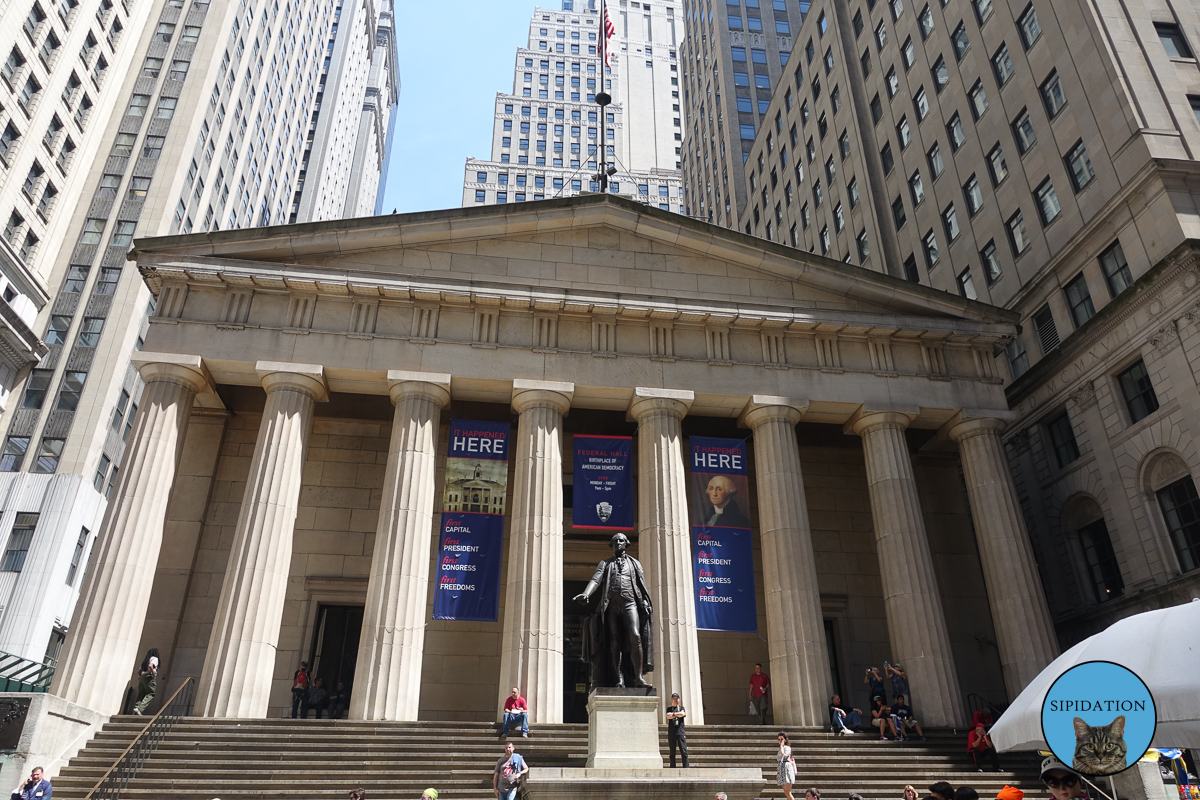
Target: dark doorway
column 575, row 671
column 335, row 645
column 835, row 674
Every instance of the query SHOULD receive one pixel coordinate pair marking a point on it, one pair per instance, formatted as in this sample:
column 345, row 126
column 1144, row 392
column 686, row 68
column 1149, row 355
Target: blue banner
column 722, row 548
column 467, row 579
column 603, row 489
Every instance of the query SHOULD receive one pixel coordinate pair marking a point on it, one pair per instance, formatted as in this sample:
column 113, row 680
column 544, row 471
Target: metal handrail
column 19, row 674
column 125, row 768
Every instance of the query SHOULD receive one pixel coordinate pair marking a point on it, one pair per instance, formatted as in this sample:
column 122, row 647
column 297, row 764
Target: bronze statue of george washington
column 618, row 641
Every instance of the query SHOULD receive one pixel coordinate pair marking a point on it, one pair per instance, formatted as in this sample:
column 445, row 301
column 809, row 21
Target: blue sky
column 453, row 58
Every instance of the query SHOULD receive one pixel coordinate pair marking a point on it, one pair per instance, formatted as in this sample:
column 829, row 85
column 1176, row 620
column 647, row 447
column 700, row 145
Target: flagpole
column 603, row 98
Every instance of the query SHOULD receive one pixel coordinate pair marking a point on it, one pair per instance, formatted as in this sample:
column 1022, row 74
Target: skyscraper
column 1043, row 157
column 734, row 56
column 216, row 115
column 547, row 130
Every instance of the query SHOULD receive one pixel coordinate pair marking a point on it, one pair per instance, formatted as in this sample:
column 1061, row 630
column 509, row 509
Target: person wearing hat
column 1009, row 793
column 429, row 794
column 1062, row 781
column 676, row 732
column 979, row 745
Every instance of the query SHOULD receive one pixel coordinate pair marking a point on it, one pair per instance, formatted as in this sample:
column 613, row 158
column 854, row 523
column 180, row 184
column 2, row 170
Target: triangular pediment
column 602, row 249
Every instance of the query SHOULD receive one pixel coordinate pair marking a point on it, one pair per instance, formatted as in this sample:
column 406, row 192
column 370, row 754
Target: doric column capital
column 534, row 394
column 433, row 386
column 649, row 402
column 307, row 379
column 764, row 408
column 966, row 428
column 184, row 370
column 869, row 418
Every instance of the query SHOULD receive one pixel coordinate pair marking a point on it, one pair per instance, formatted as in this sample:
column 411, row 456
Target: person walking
column 785, row 771
column 506, row 778
column 760, row 683
column 300, row 682
column 147, row 681
column 676, row 732
column 35, row 787
column 516, row 710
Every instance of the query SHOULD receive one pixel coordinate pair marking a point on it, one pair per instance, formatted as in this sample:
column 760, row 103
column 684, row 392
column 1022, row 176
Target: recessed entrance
column 335, row 645
column 575, row 671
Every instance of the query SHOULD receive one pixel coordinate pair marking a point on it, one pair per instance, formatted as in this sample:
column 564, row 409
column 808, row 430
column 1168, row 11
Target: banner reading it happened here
column 722, row 552
column 467, row 579
column 603, row 491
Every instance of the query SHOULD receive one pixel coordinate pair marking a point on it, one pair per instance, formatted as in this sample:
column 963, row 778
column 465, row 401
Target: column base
column 566, row 783
column 623, row 729
column 42, row 730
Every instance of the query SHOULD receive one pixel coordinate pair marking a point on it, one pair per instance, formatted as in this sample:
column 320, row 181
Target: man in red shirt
column 516, row 710
column 760, row 682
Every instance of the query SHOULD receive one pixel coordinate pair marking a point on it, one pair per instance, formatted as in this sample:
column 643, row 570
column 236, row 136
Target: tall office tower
column 552, row 111
column 62, row 69
column 734, row 55
column 1042, row 156
column 208, row 131
column 344, row 155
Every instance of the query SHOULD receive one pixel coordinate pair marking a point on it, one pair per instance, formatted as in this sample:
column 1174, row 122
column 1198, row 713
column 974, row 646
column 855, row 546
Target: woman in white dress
column 785, row 773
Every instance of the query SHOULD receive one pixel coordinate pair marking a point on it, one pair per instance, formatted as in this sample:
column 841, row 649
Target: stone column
column 388, row 674
column 240, row 662
column 916, row 622
column 800, row 686
column 665, row 544
column 531, row 651
column 102, row 647
column 1024, row 633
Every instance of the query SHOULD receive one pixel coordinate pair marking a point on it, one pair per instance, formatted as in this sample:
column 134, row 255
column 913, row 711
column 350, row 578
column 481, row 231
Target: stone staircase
column 203, row 759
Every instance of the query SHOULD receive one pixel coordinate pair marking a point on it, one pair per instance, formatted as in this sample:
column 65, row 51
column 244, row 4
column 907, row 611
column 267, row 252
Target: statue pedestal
column 623, row 729
column 624, row 759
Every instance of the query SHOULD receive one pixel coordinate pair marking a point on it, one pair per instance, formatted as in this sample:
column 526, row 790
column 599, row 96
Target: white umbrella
column 1159, row 646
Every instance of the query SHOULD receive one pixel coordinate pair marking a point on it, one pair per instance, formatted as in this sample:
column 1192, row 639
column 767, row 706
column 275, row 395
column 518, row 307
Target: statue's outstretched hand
column 580, row 598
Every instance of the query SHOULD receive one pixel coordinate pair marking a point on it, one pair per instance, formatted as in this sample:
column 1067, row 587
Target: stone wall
column 334, row 541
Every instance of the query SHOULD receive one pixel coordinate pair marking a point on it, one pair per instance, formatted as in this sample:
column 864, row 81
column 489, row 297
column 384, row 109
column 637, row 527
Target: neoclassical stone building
column 286, row 466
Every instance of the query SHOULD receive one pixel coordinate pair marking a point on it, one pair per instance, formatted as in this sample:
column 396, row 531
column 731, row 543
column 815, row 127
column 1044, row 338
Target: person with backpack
column 510, row 769
column 300, row 683
column 147, row 681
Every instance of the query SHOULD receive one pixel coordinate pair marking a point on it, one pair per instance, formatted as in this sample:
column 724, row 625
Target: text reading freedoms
column 467, row 581
column 722, row 551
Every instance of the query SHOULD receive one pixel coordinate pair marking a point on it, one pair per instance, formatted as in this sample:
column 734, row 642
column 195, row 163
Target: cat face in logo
column 1100, row 749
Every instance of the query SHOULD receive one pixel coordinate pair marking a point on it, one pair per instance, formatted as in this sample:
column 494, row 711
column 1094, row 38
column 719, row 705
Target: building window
column 1047, row 199
column 974, row 195
column 917, row 188
column 101, row 473
column 1079, row 166
column 941, row 74
column 864, row 246
column 48, row 455
column 1023, row 131
column 1138, row 391
column 1031, row 31
column 979, row 103
column 921, row 104
column 926, row 22
column 480, row 195
column 72, row 388
column 18, row 542
column 77, row 556
column 910, row 269
column 898, row 215
column 1047, row 331
column 997, row 165
column 1101, row 561
column 935, row 161
column 1018, row 357
column 888, row 160
column 955, row 129
column 1115, row 268
column 1172, row 40
column 1002, row 64
column 904, row 132
column 1062, row 438
column 1079, row 300
column 14, row 453
column 1053, row 95
column 876, row 109
column 931, row 248
column 1181, row 510
column 35, row 389
column 881, row 35
column 966, row 287
column 950, row 220
column 983, row 9
column 907, row 54
column 960, row 40
column 1017, row 235
column 990, row 261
